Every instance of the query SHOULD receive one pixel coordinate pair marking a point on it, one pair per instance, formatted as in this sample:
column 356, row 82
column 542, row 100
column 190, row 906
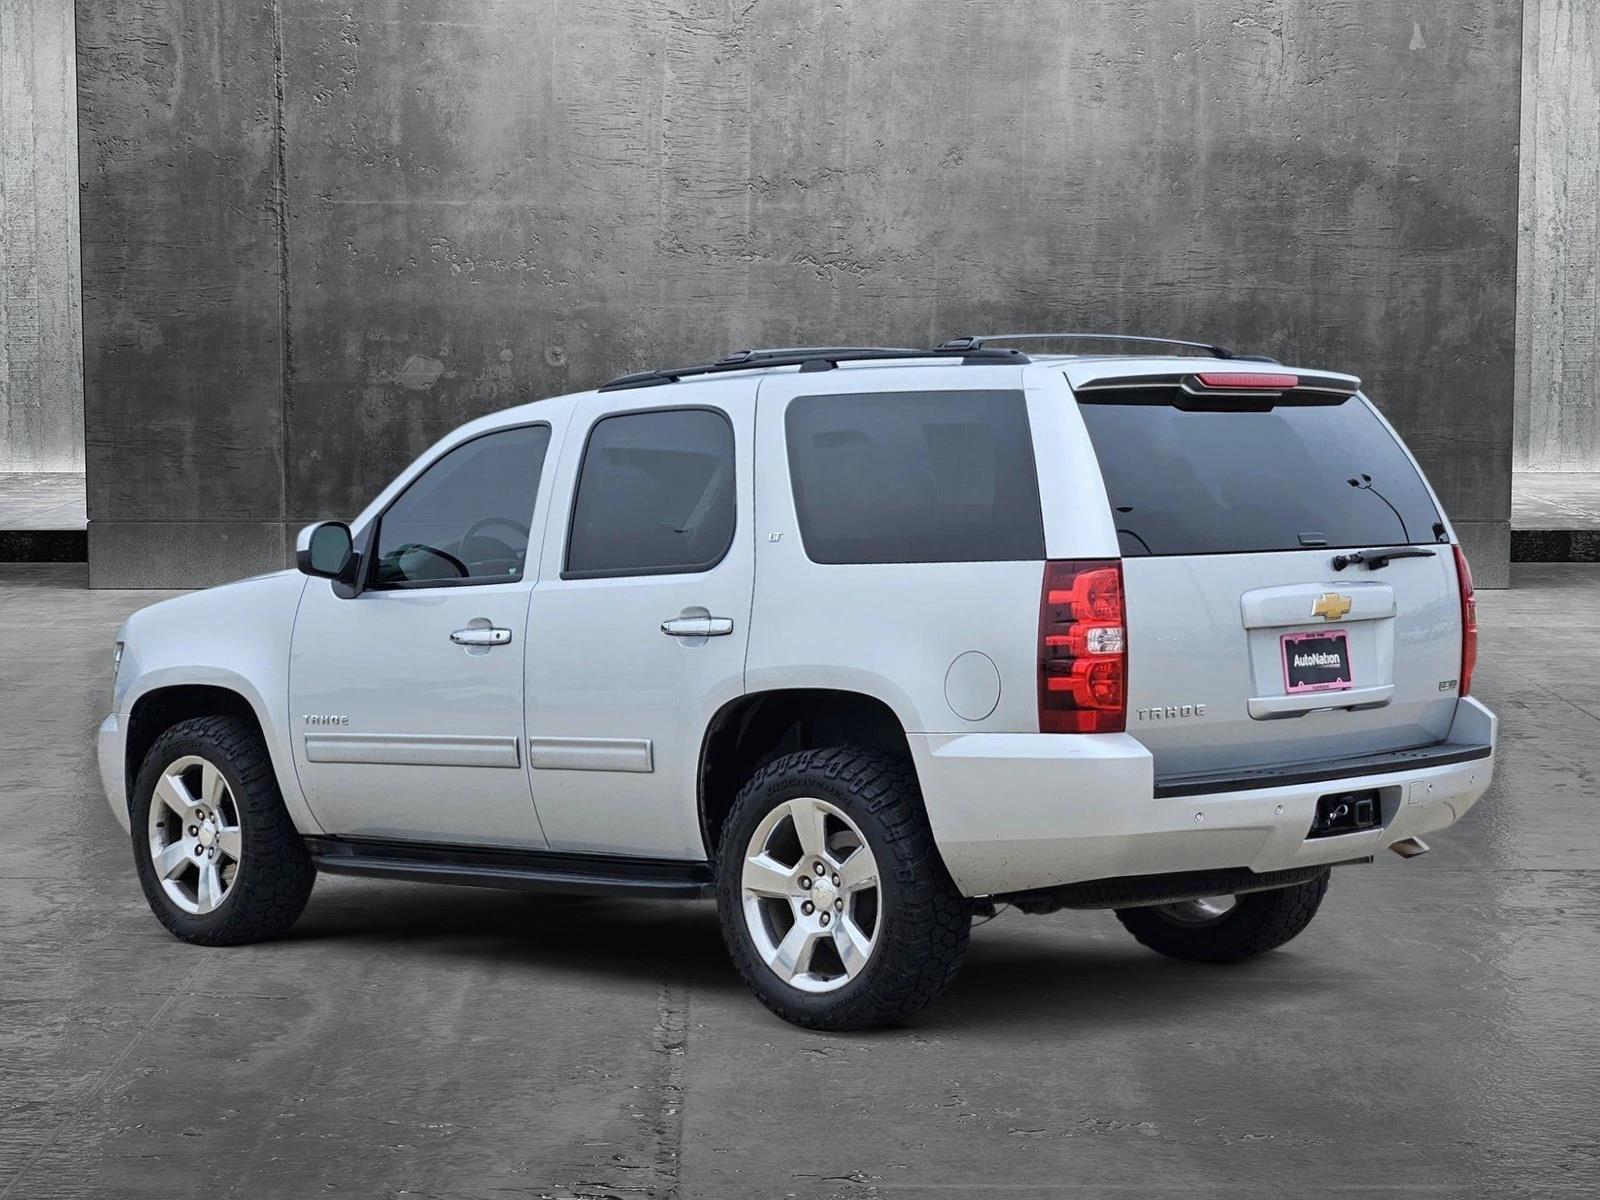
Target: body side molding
column 413, row 749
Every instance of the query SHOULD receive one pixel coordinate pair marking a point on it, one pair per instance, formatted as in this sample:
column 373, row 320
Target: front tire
column 835, row 906
column 218, row 858
column 1253, row 924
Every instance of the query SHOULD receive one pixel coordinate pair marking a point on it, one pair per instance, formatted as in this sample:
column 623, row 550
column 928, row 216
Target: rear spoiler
column 1221, row 391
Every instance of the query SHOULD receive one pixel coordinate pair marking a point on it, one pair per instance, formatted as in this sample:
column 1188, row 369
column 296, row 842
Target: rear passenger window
column 655, row 495
column 894, row 477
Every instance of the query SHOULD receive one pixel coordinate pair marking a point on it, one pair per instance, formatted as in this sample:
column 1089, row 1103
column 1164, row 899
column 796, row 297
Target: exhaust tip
column 1410, row 847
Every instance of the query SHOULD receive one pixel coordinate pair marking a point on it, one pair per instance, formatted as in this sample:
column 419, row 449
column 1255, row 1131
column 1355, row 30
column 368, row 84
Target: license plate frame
column 1316, row 677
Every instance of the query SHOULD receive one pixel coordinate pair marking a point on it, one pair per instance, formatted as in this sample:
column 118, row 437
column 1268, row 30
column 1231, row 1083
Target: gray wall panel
column 183, row 346
column 494, row 201
column 1558, row 311
column 41, row 345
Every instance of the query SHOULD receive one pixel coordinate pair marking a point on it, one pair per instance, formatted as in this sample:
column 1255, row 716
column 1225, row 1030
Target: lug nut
column 824, row 918
column 820, row 869
column 808, row 908
column 212, row 853
column 198, row 851
column 838, row 905
column 194, row 831
column 835, row 881
column 805, row 881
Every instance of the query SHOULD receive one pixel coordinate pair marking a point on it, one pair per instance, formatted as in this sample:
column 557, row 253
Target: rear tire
column 220, row 861
column 865, row 954
column 1257, row 922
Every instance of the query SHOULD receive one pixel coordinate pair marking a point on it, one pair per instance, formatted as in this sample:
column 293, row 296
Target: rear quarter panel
column 896, row 631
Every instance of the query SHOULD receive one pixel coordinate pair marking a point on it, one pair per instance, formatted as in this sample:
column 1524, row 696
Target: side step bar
column 521, row 870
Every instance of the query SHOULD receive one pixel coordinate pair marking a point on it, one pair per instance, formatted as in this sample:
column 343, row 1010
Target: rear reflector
column 1083, row 651
column 1469, row 621
column 1249, row 381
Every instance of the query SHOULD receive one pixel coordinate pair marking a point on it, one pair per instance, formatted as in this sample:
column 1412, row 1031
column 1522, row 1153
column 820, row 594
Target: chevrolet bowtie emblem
column 1330, row 606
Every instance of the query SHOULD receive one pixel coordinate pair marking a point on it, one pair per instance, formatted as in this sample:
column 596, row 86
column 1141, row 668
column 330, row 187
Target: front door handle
column 697, row 627
column 481, row 636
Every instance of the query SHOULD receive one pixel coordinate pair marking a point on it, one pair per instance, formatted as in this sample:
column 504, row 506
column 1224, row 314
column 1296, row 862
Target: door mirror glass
column 324, row 549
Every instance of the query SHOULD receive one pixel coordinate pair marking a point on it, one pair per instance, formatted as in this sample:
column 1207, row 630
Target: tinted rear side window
column 892, row 477
column 655, row 495
column 1219, row 482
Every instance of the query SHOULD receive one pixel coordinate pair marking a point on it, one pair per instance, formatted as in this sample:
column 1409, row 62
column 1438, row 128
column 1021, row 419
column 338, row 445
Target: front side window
column 466, row 519
column 655, row 495
column 901, row 477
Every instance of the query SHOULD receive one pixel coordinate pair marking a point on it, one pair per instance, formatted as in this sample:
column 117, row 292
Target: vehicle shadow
column 1034, row 971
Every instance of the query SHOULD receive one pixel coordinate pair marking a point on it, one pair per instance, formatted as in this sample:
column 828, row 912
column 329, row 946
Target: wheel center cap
column 208, row 833
column 823, row 894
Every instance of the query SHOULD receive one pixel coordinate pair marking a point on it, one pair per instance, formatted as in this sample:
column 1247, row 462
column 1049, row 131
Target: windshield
column 1293, row 478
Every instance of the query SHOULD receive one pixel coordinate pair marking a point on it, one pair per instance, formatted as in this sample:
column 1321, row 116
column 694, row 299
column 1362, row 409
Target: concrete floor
column 1434, row 1032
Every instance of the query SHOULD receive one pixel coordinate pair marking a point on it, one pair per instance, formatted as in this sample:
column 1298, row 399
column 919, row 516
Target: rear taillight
column 1083, row 648
column 1469, row 621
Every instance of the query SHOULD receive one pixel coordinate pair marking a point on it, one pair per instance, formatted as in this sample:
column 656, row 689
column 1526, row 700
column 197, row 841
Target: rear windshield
column 1227, row 482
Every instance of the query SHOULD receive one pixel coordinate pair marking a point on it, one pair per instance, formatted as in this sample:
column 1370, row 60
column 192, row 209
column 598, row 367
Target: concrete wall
column 320, row 233
column 41, row 348
column 1558, row 313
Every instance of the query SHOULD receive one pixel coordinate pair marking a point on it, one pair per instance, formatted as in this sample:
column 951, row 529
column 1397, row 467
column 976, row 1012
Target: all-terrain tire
column 923, row 921
column 1257, row 922
column 275, row 871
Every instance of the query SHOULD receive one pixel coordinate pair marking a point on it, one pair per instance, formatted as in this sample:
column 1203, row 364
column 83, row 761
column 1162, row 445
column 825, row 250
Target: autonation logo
column 1320, row 659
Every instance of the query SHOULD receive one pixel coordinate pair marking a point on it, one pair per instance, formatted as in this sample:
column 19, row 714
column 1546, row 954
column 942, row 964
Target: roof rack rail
column 956, row 345
column 807, row 358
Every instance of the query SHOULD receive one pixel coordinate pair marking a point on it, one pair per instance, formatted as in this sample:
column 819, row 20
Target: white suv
column 858, row 641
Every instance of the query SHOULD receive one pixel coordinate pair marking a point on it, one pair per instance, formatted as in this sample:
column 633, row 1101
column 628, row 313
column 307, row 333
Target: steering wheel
column 460, row 567
column 477, row 525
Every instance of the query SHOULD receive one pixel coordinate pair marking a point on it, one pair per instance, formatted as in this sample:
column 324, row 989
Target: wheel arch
column 159, row 708
column 753, row 729
column 164, row 697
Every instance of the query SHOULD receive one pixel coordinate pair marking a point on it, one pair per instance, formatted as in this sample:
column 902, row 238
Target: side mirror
column 324, row 549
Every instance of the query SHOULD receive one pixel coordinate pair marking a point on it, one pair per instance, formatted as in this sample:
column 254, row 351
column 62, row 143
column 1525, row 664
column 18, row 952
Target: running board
column 521, row 870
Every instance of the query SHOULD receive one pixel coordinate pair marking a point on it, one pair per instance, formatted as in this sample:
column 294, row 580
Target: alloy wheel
column 810, row 893
column 195, row 841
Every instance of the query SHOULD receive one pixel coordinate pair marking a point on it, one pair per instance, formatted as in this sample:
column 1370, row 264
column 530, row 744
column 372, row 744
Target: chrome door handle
column 697, row 627
column 479, row 636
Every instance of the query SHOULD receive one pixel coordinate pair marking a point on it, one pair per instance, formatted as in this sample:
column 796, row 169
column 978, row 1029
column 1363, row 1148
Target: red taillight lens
column 1266, row 381
column 1469, row 621
column 1083, row 651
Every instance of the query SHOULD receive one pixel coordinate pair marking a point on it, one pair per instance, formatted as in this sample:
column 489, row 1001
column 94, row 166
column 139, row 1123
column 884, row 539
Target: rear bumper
column 1014, row 812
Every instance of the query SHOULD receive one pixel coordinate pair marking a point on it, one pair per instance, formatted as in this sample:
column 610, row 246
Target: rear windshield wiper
column 1378, row 559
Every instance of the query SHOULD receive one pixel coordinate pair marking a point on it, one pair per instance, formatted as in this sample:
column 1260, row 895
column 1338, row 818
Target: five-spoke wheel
column 834, row 903
column 810, row 894
column 195, row 842
column 218, row 857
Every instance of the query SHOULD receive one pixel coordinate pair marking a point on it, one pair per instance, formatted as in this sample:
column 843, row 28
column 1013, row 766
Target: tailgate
column 1264, row 625
column 1207, row 687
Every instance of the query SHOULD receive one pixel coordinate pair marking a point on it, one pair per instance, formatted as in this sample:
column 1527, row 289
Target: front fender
column 234, row 637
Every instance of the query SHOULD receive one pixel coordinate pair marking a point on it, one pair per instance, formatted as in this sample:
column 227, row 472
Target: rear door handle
column 481, row 636
column 697, row 627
